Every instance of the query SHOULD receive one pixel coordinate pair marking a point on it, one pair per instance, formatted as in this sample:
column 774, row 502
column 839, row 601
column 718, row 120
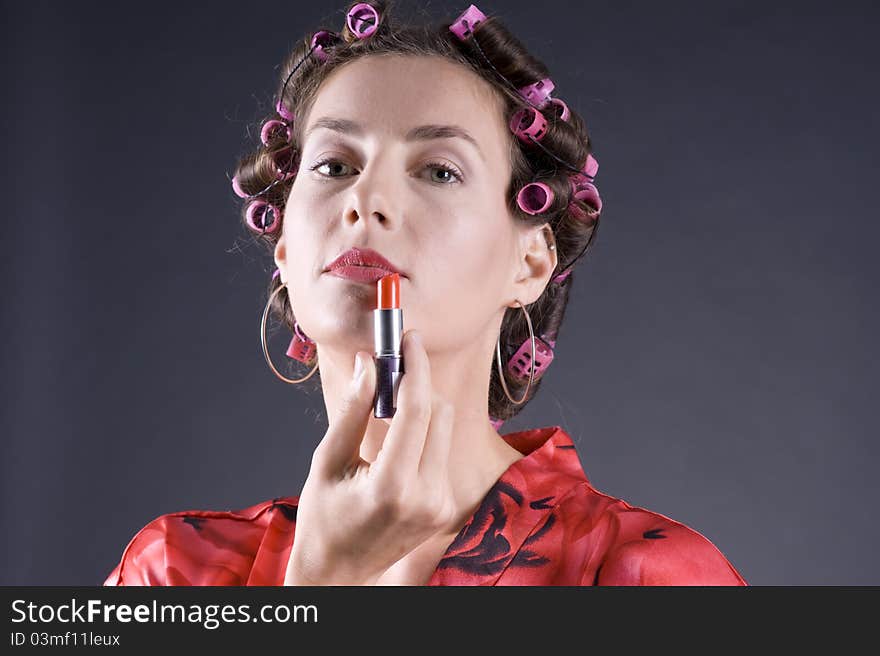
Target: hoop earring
column 265, row 348
column 531, row 368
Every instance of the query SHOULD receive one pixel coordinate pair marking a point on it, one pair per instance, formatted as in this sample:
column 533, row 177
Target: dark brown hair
column 567, row 140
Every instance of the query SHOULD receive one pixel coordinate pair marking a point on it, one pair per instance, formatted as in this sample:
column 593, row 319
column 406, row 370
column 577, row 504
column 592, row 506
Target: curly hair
column 491, row 51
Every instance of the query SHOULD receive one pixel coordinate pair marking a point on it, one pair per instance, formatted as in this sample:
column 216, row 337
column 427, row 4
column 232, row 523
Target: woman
column 439, row 155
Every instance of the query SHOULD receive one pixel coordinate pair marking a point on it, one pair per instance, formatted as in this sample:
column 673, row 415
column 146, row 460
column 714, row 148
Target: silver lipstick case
column 387, row 337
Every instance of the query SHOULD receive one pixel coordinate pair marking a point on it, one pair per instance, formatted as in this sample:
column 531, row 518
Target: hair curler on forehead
column 464, row 25
column 362, row 20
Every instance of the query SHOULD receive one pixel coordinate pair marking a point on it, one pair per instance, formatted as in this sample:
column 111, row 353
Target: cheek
column 464, row 266
column 303, row 240
column 459, row 290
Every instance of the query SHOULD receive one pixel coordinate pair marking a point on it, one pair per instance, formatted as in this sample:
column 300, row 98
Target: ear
column 537, row 263
column 281, row 257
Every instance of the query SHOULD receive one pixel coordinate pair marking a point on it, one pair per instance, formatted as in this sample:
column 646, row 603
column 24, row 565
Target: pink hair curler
column 519, row 365
column 286, row 114
column 589, row 169
column 363, row 20
column 271, row 130
column 286, row 161
column 496, row 423
column 236, row 187
column 321, row 43
column 562, row 276
column 464, row 25
column 301, row 348
column 258, row 217
column 535, row 198
column 585, row 191
column 564, row 114
column 528, row 124
column 538, row 94
column 588, row 194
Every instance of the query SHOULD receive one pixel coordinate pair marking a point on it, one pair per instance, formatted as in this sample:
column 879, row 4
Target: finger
column 341, row 444
column 438, row 443
column 402, row 448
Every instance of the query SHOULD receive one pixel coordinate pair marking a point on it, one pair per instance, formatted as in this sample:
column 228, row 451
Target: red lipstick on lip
column 359, row 273
column 361, row 265
column 387, row 336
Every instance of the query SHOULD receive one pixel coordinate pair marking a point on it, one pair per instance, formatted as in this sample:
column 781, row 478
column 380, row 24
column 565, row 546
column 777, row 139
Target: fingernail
column 358, row 366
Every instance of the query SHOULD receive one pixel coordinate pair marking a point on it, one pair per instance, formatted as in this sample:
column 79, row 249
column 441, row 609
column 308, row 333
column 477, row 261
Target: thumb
column 341, row 444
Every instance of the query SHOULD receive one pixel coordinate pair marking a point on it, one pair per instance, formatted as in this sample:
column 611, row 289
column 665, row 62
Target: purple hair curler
column 535, row 198
column 538, row 94
column 464, row 25
column 528, row 124
column 363, row 20
column 258, row 217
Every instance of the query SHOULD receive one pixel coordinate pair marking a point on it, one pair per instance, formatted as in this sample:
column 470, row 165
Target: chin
column 341, row 324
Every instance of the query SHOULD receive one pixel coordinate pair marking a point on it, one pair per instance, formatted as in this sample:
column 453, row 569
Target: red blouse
column 542, row 523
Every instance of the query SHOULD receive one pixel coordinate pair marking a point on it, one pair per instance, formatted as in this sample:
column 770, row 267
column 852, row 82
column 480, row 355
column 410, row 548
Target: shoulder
column 198, row 547
column 643, row 547
column 652, row 549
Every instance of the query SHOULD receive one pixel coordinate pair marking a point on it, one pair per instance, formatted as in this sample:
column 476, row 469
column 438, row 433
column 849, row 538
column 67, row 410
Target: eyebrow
column 420, row 133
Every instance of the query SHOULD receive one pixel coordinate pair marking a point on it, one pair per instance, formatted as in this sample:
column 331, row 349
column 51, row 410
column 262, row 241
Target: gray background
column 716, row 366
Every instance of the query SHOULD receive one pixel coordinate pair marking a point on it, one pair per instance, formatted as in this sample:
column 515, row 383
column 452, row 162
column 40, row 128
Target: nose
column 353, row 216
column 373, row 197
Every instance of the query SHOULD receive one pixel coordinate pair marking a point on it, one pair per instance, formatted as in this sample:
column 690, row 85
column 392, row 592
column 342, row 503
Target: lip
column 362, row 263
column 359, row 273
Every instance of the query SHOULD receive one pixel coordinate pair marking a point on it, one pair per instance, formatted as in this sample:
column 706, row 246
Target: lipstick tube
column 387, row 337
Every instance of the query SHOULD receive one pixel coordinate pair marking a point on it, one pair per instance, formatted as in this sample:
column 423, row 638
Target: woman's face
column 435, row 207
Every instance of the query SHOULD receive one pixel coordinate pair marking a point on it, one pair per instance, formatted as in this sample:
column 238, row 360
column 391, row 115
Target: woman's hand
column 356, row 519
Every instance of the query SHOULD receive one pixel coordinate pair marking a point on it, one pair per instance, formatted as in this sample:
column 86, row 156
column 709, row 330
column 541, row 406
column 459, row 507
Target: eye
column 453, row 175
column 324, row 162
